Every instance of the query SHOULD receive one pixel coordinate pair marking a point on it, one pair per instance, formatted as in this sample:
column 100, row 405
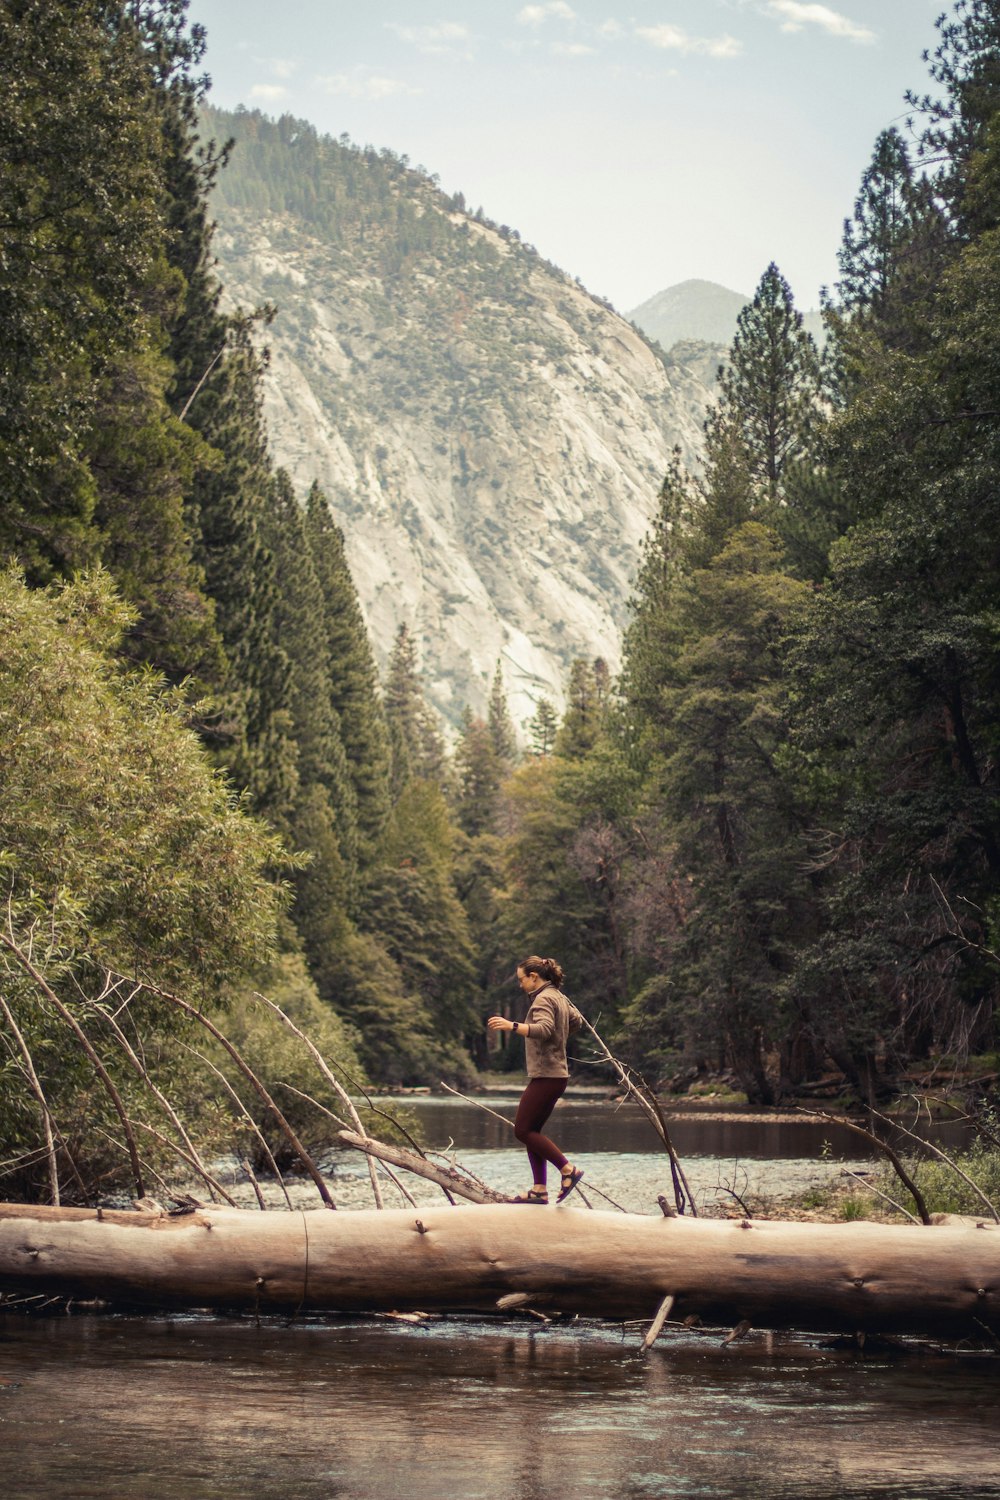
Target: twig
column 249, row 1119
column 341, row 1092
column 37, row 1090
column 648, row 1101
column 856, row 1177
column 26, row 964
column 478, row 1105
column 253, row 1080
column 656, row 1327
column 192, row 1161
column 942, row 1156
column 247, row 1166
column 880, row 1145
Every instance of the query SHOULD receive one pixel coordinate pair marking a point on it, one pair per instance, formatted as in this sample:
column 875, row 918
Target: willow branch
column 25, row 962
column 39, row 1093
column 191, row 1148
column 191, row 1160
column 253, row 1080
column 943, row 1156
column 248, row 1117
column 334, row 1083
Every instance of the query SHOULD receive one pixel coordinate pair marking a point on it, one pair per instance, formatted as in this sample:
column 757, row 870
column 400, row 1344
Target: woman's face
column 528, row 982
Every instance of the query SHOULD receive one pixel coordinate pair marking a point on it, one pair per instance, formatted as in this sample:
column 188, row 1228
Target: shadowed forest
column 769, row 849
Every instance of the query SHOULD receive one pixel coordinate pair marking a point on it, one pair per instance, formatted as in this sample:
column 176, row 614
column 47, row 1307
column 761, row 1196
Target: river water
column 213, row 1408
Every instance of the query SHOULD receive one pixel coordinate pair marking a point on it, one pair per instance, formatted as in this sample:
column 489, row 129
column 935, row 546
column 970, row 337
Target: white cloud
column 534, row 15
column 270, row 92
column 795, row 14
column 673, row 39
column 447, row 38
column 281, row 68
column 363, row 84
column 573, row 49
column 610, row 27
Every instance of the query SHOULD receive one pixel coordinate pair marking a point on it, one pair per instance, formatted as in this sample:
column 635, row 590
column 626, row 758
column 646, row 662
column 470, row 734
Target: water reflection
column 374, row 1411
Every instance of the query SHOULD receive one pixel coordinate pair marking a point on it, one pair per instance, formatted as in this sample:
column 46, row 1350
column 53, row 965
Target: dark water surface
column 120, row 1408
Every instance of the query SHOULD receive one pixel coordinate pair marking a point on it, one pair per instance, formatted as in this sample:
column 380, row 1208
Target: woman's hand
column 500, row 1023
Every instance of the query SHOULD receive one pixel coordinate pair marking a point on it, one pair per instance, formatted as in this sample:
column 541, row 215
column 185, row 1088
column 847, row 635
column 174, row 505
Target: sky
column 636, row 145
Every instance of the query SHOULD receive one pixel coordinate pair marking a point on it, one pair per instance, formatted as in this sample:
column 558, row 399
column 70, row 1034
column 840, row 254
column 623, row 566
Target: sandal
column 570, row 1177
column 533, row 1195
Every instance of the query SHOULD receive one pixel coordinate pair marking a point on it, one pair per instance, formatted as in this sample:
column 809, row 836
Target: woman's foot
column 534, row 1194
column 570, row 1177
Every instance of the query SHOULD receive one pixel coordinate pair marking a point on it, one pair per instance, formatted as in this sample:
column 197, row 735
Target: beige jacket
column 551, row 1018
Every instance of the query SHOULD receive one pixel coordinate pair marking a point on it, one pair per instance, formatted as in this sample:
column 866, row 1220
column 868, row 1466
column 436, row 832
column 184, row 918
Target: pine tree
column 768, row 389
column 417, row 747
column 499, row 722
column 354, row 693
column 324, row 777
column 894, row 224
column 479, row 771
column 93, row 466
column 544, row 727
column 582, row 721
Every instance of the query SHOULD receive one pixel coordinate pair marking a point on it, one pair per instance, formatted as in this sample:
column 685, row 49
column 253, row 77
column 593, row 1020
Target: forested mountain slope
column 490, row 436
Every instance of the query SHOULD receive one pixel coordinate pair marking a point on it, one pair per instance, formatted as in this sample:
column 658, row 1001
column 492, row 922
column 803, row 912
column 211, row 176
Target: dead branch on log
column 942, row 1156
column 645, row 1096
column 261, row 1138
column 251, row 1077
column 341, row 1092
column 884, row 1148
column 23, row 959
column 444, row 1177
column 308, row 1099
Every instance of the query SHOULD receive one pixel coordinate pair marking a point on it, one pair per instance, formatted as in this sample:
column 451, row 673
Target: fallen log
column 856, row 1277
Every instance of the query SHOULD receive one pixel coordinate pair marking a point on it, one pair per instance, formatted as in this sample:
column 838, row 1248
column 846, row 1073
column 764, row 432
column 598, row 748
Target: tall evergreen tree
column 771, row 384
column 888, row 247
column 417, row 746
column 354, row 695
column 544, row 727
column 499, row 722
column 479, row 771
column 584, row 716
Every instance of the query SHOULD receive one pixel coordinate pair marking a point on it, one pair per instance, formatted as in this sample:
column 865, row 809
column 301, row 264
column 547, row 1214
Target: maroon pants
column 537, row 1103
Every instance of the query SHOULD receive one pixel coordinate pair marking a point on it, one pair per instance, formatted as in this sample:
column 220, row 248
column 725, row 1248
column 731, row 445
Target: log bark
column 855, row 1277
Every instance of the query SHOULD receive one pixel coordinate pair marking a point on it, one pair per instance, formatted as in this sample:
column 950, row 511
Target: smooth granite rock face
column 491, row 439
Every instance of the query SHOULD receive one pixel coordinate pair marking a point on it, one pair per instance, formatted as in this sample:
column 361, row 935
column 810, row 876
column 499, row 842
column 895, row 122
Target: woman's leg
column 537, row 1103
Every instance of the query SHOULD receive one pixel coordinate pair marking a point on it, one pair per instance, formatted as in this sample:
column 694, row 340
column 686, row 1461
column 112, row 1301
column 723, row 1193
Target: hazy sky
column 634, row 144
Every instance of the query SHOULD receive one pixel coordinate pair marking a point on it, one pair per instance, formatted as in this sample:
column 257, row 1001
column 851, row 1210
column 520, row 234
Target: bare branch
column 337, row 1087
column 26, row 964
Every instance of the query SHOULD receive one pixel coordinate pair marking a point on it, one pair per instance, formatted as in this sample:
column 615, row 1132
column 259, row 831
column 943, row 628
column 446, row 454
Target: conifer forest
column 768, row 849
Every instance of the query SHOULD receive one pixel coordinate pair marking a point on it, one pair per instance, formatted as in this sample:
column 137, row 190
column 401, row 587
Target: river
column 213, row 1408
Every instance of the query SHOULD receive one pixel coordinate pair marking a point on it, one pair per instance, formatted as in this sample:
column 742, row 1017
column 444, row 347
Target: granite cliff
column 490, row 436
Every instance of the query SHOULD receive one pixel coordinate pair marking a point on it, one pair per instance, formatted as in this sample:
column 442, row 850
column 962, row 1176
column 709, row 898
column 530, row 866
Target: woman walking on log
column 551, row 1019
